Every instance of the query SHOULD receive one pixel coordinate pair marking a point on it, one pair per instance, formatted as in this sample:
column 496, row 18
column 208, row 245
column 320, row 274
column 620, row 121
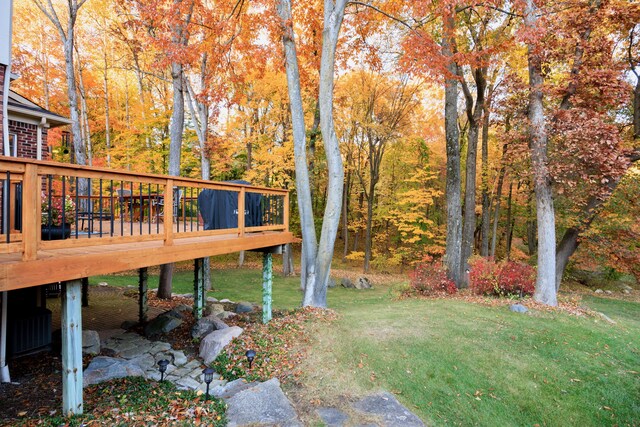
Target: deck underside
column 63, row 264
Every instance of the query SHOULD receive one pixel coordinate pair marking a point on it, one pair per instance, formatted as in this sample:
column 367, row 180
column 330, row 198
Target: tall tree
column 545, row 283
column 67, row 37
column 179, row 38
column 316, row 263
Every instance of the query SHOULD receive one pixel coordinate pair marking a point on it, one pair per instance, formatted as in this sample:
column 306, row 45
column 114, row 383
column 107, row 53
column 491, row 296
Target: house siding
column 28, row 139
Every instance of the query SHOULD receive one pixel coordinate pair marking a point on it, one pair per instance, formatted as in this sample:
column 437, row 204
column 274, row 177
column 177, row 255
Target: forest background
column 431, row 107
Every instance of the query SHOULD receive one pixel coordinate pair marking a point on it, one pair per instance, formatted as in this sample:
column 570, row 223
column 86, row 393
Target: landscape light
column 162, row 366
column 251, row 354
column 208, row 377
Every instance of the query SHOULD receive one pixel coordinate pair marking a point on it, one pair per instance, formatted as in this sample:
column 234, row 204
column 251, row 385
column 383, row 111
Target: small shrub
column 501, row 279
column 428, row 279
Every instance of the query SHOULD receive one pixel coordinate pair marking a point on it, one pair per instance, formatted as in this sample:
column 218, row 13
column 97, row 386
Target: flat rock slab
column 332, row 417
column 107, row 368
column 391, row 412
column 261, row 405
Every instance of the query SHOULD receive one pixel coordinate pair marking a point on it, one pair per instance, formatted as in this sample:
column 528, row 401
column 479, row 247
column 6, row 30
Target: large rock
column 213, row 343
column 345, row 282
column 387, row 407
column 206, row 325
column 332, row 417
column 244, row 307
column 162, row 324
column 107, row 368
column 90, row 342
column 230, row 389
column 261, row 405
column 518, row 308
column 363, row 283
column 213, row 309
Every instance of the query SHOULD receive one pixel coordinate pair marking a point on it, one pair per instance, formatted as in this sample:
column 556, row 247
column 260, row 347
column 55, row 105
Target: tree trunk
column 546, row 281
column 496, row 215
column 345, row 213
column 333, row 16
column 469, row 224
column 453, row 191
column 367, row 236
column 303, row 190
column 486, row 204
column 509, row 227
column 287, row 261
column 84, row 115
column 532, row 231
column 175, row 131
column 107, row 122
column 636, row 109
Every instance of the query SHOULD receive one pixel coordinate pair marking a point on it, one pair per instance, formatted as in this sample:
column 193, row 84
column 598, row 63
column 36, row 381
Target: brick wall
column 2, row 70
column 28, row 139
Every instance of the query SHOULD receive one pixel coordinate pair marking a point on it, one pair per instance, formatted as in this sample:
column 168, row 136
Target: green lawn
column 458, row 363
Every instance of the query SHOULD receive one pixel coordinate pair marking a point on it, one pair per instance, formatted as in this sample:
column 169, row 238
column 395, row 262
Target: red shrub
column 428, row 279
column 503, row 279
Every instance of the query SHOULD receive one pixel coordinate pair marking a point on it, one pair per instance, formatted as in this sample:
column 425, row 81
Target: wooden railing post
column 30, row 213
column 241, row 208
column 168, row 213
column 285, row 216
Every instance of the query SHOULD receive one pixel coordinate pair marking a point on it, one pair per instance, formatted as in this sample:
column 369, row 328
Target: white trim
column 4, row 369
column 13, row 144
column 34, row 117
column 5, row 110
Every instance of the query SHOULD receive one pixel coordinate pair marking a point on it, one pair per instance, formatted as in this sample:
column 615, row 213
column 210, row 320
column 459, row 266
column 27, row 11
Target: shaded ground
column 36, row 387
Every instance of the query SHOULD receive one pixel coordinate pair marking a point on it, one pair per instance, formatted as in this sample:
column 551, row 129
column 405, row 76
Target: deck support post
column 71, row 312
column 267, row 281
column 198, row 288
column 143, row 307
column 85, row 292
column 4, row 369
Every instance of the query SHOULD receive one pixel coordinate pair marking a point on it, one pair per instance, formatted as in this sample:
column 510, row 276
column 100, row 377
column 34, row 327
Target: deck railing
column 49, row 205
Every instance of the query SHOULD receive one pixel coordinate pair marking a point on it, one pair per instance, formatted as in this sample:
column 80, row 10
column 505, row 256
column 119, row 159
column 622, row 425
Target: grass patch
column 458, row 363
column 236, row 284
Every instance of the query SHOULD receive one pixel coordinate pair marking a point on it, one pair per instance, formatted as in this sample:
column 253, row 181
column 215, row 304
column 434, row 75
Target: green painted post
column 143, row 306
column 198, row 288
column 267, row 281
column 71, row 313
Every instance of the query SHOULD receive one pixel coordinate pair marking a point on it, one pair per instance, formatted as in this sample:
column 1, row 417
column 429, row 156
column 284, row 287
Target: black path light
column 208, row 377
column 251, row 354
column 162, row 366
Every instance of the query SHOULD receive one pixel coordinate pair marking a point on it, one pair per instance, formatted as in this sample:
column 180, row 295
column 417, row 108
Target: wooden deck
column 134, row 234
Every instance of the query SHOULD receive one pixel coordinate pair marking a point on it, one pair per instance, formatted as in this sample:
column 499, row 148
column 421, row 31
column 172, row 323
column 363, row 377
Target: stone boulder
column 107, row 368
column 387, row 407
column 216, row 341
column 345, row 282
column 90, row 342
column 331, row 283
column 363, row 283
column 163, row 324
column 206, row 325
column 261, row 405
column 244, row 307
column 226, row 314
column 518, row 308
column 213, row 309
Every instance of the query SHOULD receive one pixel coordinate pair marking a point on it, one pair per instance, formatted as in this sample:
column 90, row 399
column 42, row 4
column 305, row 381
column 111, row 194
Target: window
column 13, row 144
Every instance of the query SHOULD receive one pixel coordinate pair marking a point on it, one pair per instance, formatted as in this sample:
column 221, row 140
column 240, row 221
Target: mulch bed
column 36, row 388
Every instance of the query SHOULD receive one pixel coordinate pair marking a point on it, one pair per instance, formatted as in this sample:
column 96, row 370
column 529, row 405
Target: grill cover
column 219, row 208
